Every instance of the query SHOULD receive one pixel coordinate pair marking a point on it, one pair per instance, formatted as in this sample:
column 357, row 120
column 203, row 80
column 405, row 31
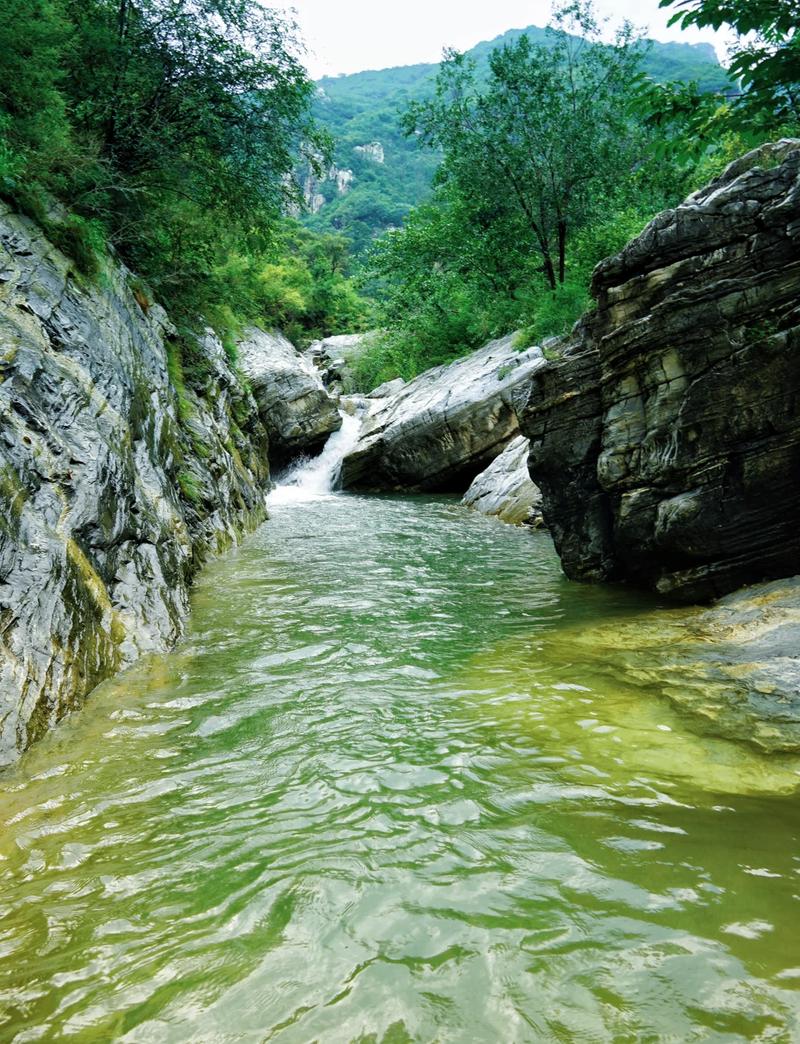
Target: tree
column 767, row 57
column 170, row 128
column 544, row 135
column 35, row 135
column 702, row 131
column 197, row 107
column 544, row 172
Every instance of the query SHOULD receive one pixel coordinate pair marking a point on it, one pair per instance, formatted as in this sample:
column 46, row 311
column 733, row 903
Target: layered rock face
column 505, row 491
column 295, row 408
column 440, row 430
column 666, row 439
column 116, row 481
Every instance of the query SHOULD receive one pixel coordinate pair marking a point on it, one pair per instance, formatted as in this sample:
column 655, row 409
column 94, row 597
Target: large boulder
column 666, row 439
column 444, row 427
column 505, row 489
column 294, row 405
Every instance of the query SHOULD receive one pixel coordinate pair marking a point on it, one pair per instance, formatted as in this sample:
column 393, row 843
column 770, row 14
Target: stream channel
column 372, row 798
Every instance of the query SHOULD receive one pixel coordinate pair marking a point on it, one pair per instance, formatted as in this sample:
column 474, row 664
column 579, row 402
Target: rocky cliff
column 666, row 439
column 127, row 456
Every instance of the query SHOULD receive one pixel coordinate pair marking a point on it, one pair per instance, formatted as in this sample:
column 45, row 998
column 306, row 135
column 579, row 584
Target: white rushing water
column 311, row 479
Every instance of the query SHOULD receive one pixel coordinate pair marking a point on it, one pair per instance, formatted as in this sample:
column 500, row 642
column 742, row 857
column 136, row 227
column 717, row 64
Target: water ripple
column 363, row 802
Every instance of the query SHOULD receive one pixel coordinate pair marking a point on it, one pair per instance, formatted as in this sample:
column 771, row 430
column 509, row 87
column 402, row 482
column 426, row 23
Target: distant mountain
column 379, row 174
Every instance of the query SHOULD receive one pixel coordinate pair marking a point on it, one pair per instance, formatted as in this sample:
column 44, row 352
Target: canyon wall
column 666, row 434
column 128, row 455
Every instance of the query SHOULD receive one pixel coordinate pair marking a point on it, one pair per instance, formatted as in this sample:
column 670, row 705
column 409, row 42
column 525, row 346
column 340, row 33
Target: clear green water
column 367, row 801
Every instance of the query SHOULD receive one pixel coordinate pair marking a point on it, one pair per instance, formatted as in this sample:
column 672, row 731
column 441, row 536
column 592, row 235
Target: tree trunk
column 549, row 270
column 562, row 250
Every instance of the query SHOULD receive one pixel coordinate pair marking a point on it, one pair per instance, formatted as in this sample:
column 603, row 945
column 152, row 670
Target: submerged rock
column 441, row 429
column 666, row 438
column 116, row 482
column 295, row 408
column 505, row 489
column 733, row 669
column 747, row 648
column 636, row 680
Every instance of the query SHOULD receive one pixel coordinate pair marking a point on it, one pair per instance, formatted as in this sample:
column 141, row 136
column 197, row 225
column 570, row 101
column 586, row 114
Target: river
column 364, row 801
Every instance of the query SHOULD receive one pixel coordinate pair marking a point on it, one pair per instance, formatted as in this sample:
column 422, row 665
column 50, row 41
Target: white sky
column 345, row 36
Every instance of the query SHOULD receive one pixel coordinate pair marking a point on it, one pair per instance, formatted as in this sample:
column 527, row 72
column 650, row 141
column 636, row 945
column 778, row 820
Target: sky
column 345, row 36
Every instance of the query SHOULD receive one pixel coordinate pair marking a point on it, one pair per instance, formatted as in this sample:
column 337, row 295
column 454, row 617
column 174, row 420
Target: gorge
column 396, row 752
column 125, row 466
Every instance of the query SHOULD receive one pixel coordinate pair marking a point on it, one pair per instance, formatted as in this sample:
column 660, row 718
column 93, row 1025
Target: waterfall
column 311, row 479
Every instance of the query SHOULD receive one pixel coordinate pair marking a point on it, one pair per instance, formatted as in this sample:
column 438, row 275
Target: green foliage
column 82, row 239
column 169, row 129
column 555, row 312
column 195, row 108
column 301, row 281
column 368, row 106
column 12, row 161
column 544, row 174
column 766, row 58
column 447, row 287
column 36, row 138
column 177, row 380
column 699, row 130
column 552, row 160
column 546, row 133
column 190, row 487
column 381, row 362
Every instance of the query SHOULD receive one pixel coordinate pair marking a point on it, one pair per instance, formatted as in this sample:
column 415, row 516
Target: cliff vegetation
column 168, row 131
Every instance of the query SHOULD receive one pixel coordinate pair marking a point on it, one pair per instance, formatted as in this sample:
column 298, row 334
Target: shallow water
column 374, row 797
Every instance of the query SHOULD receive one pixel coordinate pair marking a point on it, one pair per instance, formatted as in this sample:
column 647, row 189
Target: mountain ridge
column 365, row 107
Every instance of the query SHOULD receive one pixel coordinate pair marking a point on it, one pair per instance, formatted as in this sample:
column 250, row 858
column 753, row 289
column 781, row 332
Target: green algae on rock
column 729, row 672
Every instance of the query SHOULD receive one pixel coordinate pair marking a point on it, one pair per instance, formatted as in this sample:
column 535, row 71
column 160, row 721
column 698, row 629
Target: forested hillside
column 367, row 107
column 167, row 130
column 550, row 159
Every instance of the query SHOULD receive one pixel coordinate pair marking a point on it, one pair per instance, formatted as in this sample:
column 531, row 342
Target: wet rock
column 665, row 435
column 748, row 648
column 354, row 405
column 383, row 391
column 295, row 408
column 505, row 489
column 115, row 485
column 444, row 427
